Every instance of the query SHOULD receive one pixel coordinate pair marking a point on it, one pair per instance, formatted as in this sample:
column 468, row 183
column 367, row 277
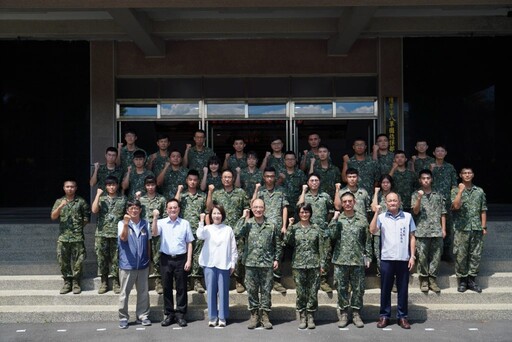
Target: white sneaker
column 212, row 323
column 222, row 323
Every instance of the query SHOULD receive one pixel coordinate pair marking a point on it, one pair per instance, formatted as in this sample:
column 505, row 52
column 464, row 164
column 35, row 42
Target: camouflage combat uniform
column 429, row 233
column 234, row 162
column 277, row 163
column 137, row 182
column 293, row 183
column 423, row 164
column 171, row 181
column 352, row 244
column 191, row 207
column 127, row 158
column 111, row 211
column 405, row 182
column 444, row 178
column 104, row 172
column 249, row 180
column 468, row 244
column 308, row 257
column 159, row 164
column 262, row 248
column 385, row 162
column 368, row 172
column 197, row 160
column 362, row 205
column 329, row 177
column 216, row 181
column 70, row 243
column 148, row 205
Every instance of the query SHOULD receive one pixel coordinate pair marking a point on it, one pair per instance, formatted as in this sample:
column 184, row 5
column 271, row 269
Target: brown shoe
column 383, row 322
column 404, row 323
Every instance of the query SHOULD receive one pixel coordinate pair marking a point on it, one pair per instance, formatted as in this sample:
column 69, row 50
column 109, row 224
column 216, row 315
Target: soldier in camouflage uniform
column 379, row 199
column 234, row 200
column 313, row 141
column 193, row 203
column 101, row 172
column 349, row 232
column 364, row 164
column 172, row 175
column 275, row 158
column 157, row 160
column 110, row 209
column 196, row 157
column 444, row 179
column 362, row 204
column 429, row 213
column 421, row 160
column 261, row 255
column 73, row 214
column 212, row 174
column 308, row 259
column 382, row 155
column 250, row 176
column 293, row 181
column 239, row 159
column 469, row 205
column 150, row 201
column 133, row 180
column 329, row 173
column 276, row 211
column 125, row 153
column 323, row 209
column 405, row 180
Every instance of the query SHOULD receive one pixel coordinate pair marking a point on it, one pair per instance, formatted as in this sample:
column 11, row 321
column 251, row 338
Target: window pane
column 179, row 109
column 273, row 110
column 360, row 109
column 144, row 110
column 313, row 109
column 226, row 109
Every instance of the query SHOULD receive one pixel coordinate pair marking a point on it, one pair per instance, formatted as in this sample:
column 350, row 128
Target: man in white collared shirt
column 398, row 245
column 175, row 261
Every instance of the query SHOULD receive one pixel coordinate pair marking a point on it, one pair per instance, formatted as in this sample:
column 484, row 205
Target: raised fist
column 126, row 218
column 421, row 193
column 119, row 145
column 96, row 166
column 211, row 187
column 156, row 213
column 205, row 170
column 267, row 154
column 189, row 146
column 201, row 217
column 304, row 187
column 99, row 191
column 346, row 158
column 291, row 220
column 338, row 186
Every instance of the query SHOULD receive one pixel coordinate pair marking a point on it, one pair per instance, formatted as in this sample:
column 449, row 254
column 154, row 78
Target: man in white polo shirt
column 397, row 257
column 175, row 260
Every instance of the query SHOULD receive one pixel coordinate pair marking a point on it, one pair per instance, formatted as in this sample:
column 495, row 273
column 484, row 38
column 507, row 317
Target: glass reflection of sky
column 355, row 107
column 267, row 109
column 226, row 108
column 138, row 110
column 179, row 109
column 313, row 108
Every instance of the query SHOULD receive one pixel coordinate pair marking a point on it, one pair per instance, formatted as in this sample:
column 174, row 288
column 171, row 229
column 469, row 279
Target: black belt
column 175, row 256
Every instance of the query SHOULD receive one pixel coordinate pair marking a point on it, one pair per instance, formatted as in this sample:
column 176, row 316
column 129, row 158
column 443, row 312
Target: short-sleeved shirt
column 216, row 181
column 192, row 205
column 368, row 171
column 350, row 237
column 174, row 235
column 444, row 178
column 428, row 221
column 423, row 164
column 172, row 179
column 104, row 172
column 276, row 163
column 72, row 219
column 111, row 211
column 248, row 180
column 405, row 182
column 197, row 160
column 322, row 206
column 293, row 184
column 234, row 162
column 159, row 163
column 394, row 235
column 137, row 182
column 329, row 177
column 468, row 217
column 275, row 201
column 385, row 162
column 234, row 203
column 362, row 205
column 149, row 204
column 127, row 157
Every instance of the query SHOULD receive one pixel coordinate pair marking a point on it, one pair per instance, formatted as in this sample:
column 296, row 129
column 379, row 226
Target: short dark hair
column 213, row 160
column 150, row 180
column 200, row 131
column 132, row 203
column 193, row 172
column 162, row 136
column 253, row 154
column 352, row 171
column 316, row 175
column 306, row 207
column 111, row 180
column 111, row 149
column 172, row 200
column 128, row 131
column 290, row 152
column 270, row 169
column 237, row 137
column 425, row 172
column 139, row 154
column 220, row 208
column 348, row 193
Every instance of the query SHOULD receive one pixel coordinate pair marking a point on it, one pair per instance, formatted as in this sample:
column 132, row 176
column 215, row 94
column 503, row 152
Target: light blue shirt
column 174, row 235
column 394, row 235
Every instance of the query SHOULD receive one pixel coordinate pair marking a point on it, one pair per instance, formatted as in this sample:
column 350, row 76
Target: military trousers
column 307, row 284
column 467, row 248
column 429, row 251
column 352, row 276
column 258, row 283
column 107, row 256
column 71, row 256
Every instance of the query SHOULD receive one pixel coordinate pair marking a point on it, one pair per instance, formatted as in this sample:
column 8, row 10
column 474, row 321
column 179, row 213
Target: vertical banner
column 391, row 117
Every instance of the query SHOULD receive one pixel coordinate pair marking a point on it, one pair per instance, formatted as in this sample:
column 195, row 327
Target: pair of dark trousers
column 389, row 270
column 173, row 269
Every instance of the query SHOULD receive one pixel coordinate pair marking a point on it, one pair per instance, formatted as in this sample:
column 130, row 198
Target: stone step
column 372, row 296
column 46, row 282
column 370, row 312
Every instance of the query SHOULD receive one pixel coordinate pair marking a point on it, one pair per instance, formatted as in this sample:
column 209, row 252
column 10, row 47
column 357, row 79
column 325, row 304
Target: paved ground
column 448, row 330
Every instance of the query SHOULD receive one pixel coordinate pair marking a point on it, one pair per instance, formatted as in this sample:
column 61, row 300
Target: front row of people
column 348, row 233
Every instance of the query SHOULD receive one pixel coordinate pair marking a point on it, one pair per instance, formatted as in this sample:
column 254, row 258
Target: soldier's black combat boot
column 462, row 285
column 472, row 285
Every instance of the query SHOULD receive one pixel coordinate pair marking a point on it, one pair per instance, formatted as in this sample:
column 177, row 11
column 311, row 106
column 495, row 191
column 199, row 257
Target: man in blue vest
column 134, row 237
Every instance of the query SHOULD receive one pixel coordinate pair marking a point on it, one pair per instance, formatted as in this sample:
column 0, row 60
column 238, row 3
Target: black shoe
column 168, row 320
column 181, row 322
column 462, row 285
column 473, row 286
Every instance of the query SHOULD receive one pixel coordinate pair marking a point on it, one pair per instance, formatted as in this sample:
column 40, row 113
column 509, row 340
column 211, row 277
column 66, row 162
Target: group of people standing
column 189, row 218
